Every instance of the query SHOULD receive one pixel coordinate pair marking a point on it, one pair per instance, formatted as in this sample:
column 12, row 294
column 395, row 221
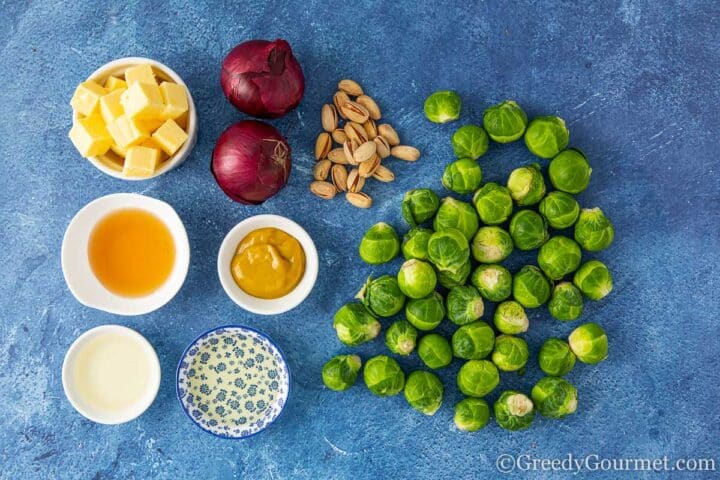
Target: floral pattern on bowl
column 233, row 381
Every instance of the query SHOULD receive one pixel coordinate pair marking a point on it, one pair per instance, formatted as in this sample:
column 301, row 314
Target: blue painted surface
column 638, row 85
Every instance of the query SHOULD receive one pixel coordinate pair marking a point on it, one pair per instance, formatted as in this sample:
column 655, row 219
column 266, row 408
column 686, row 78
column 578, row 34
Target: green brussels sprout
column 505, row 122
column 477, row 378
column 424, row 392
column 559, row 256
column 380, row 244
column 435, row 351
column 589, row 343
column 530, row 287
column 566, row 302
column 526, row 185
column 491, row 245
column 494, row 282
column 425, row 313
column 400, row 337
column 554, row 397
column 382, row 296
column 419, row 206
column 462, row 176
column 416, row 278
column 464, row 305
column 510, row 318
column 570, row 171
column 340, row 372
column 528, row 230
column 442, row 106
column 455, row 278
column 493, row 203
column 355, row 325
column 471, row 414
column 415, row 243
column 593, row 230
column 457, row 215
column 448, row 250
column 473, row 341
column 470, row 141
column 514, row 410
column 594, row 280
column 555, row 358
column 510, row 353
column 560, row 209
column 383, row 376
column 546, row 136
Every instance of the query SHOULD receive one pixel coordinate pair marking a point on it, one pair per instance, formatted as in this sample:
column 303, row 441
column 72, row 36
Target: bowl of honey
column 126, row 254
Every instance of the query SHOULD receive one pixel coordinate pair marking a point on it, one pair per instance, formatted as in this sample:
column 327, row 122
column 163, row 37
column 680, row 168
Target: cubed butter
column 90, row 136
column 152, row 124
column 170, row 137
column 115, row 83
column 110, row 107
column 127, row 132
column 175, row 99
column 86, row 98
column 140, row 74
column 151, row 143
column 141, row 162
column 143, row 101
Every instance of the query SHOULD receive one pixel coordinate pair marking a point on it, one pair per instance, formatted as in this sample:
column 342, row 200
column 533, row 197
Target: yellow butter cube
column 143, row 100
column 86, row 98
column 152, row 124
column 175, row 100
column 115, row 83
column 127, row 132
column 142, row 73
column 151, row 143
column 141, row 162
column 90, row 136
column 110, row 107
column 170, row 137
column 118, row 150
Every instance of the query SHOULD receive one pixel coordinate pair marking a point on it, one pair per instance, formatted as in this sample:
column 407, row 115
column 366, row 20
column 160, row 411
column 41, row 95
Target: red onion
column 251, row 161
column 263, row 78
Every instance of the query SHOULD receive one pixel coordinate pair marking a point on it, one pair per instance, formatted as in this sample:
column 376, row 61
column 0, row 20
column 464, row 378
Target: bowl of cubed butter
column 134, row 119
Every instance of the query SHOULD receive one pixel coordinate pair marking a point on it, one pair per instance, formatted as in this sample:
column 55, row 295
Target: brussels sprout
column 594, row 280
column 555, row 358
column 559, row 257
column 491, row 245
column 471, row 414
column 510, row 318
column 340, row 372
column 455, row 278
column 530, row 287
column 473, row 341
column 494, row 282
column 458, row 215
column 435, row 351
column 425, row 313
column 477, row 378
column 442, row 106
column 589, row 343
column 462, row 176
column 470, row 141
column 554, row 397
column 528, row 230
column 560, row 209
column 464, row 305
column 424, row 392
column 593, row 230
column 514, row 410
column 382, row 296
column 355, row 325
column 546, row 136
column 570, row 171
column 383, row 376
column 419, row 206
column 448, row 250
column 505, row 122
column 400, row 337
column 416, row 278
column 415, row 243
column 493, row 203
column 380, row 244
column 510, row 353
column 526, row 185
column 566, row 302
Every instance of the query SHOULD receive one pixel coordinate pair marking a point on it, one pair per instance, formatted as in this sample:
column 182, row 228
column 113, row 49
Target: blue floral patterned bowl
column 233, row 381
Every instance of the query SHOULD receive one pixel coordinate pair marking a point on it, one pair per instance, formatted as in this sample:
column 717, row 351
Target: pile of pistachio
column 353, row 146
column 459, row 246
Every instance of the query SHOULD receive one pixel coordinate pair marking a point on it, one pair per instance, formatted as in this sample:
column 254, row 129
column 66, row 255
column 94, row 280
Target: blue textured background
column 638, row 84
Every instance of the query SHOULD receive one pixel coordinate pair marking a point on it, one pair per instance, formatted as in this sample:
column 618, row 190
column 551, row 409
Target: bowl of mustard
column 268, row 264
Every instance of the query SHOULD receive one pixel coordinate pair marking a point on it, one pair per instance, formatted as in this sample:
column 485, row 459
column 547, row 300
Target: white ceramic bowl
column 92, row 412
column 260, row 305
column 76, row 265
column 118, row 67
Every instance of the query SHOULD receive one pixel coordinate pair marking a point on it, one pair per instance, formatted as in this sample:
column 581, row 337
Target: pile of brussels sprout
column 453, row 252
